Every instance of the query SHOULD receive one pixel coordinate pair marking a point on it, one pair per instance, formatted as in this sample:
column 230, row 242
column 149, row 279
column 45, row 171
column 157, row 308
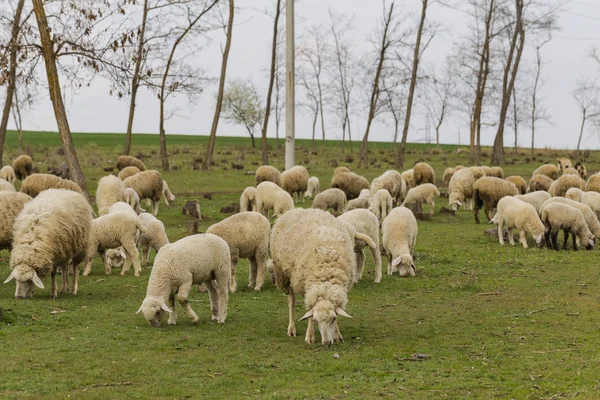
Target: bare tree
column 213, row 131
column 279, row 90
column 440, row 90
column 538, row 112
column 241, row 105
column 311, row 101
column 586, row 94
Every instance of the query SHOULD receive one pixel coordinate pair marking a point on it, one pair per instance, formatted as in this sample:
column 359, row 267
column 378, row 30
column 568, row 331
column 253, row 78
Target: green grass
column 496, row 322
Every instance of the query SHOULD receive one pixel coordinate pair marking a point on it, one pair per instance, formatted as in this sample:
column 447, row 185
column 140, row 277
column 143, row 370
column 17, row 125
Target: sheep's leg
column 260, row 270
column 431, row 207
column 337, row 335
column 501, row 231
column 291, row 324
column 566, row 239
column 182, row 297
column 234, row 260
column 54, row 289
column 554, row 237
column 74, row 283
column 132, row 252
column 310, row 332
column 107, row 269
column 389, row 264
column 511, row 237
column 155, row 204
column 126, row 264
column 220, row 286
column 523, row 239
column 252, row 273
column 360, row 264
column 173, row 316
column 64, row 286
column 88, row 260
column 213, row 296
column 575, row 248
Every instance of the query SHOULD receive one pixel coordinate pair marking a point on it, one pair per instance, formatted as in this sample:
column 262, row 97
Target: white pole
column 290, row 123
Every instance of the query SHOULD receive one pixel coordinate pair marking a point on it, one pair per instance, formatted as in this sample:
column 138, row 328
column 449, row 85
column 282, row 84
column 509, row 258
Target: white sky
column 93, row 110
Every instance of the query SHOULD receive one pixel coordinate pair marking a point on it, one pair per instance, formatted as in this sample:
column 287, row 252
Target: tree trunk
column 349, row 133
column 583, row 118
column 253, row 143
column 322, row 117
column 56, row 97
column 164, row 155
column 314, row 129
column 12, row 75
column 213, row 130
column 18, row 121
column 135, row 81
column 515, row 118
column 413, row 84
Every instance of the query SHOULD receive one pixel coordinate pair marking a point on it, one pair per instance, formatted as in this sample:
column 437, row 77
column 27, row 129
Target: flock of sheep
column 50, row 227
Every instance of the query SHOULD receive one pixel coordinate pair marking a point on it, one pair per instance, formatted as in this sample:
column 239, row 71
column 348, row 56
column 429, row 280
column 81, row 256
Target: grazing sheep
column 166, row 194
column 392, row 181
column 536, row 199
column 563, row 163
column 448, row 172
column 313, row 256
column 313, row 188
column 295, row 181
column 121, row 206
column 497, row 172
column 358, row 203
column 539, row 182
column 519, row 183
column 364, row 222
column 148, row 185
column 193, row 260
column 560, row 186
column 487, row 191
column 50, row 233
column 423, row 173
column 548, row 170
column 110, row 190
column 425, row 193
column 340, row 169
column 155, row 236
column 131, row 197
column 399, row 232
column 6, row 186
column 36, row 183
column 267, row 173
column 247, row 235
column 409, row 178
column 570, row 171
column 478, row 172
column 350, row 183
column 557, row 216
column 8, row 174
column 111, row 231
column 248, row 199
column 515, row 213
column 22, row 166
column 593, row 183
column 460, row 189
column 11, row 204
column 331, row 198
column 579, row 167
column 588, row 214
column 127, row 172
column 591, row 199
column 128, row 161
column 381, row 204
column 270, row 196
column 191, row 209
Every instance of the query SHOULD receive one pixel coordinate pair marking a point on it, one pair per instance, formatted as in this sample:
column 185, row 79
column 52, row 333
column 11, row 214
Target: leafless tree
column 538, row 111
column 311, row 99
column 279, row 88
column 439, row 94
column 586, row 95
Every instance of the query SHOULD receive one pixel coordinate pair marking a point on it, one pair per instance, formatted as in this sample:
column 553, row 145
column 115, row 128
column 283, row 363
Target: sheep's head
column 539, row 240
column 153, row 309
column 454, row 201
column 591, row 242
column 404, row 265
column 26, row 277
column 115, row 257
column 324, row 314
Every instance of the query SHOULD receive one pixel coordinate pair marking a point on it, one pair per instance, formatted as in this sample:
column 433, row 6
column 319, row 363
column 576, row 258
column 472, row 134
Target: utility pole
column 290, row 122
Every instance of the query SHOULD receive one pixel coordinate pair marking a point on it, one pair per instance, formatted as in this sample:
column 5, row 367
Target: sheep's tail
column 494, row 220
column 374, row 250
column 140, row 226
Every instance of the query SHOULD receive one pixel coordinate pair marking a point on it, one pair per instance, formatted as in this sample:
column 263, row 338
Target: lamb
column 579, row 167
column 131, row 197
column 121, row 206
column 6, row 186
column 50, row 233
column 381, row 204
column 557, row 216
column 295, row 181
column 392, row 181
column 128, row 161
column 358, row 203
column 549, row 170
column 409, row 178
column 593, row 183
column 248, row 199
column 539, row 182
column 448, row 172
column 8, row 174
column 488, row 191
column 478, row 172
column 166, row 194
column 536, row 199
column 313, row 188
column 111, row 231
column 155, row 236
column 570, row 171
column 515, row 213
column 426, row 192
column 519, row 183
column 563, row 163
column 36, row 183
column 423, row 173
column 110, row 190
column 148, row 185
column 193, row 260
column 269, row 174
column 460, row 189
column 331, row 198
column 364, row 222
column 592, row 199
column 313, row 256
column 497, row 172
column 560, row 186
column 270, row 196
column 22, row 166
column 11, row 204
column 337, row 170
column 127, row 172
column 247, row 235
column 350, row 183
column 399, row 232
column 590, row 218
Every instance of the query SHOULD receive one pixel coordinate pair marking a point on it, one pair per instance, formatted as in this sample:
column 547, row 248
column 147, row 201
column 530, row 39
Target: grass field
column 493, row 322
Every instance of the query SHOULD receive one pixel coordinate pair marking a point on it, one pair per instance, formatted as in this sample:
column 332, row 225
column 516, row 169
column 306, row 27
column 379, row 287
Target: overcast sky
column 93, row 110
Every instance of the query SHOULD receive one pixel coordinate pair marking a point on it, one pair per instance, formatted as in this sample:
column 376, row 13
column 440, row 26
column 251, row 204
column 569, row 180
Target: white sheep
column 267, row 173
column 381, row 204
column 399, row 236
column 11, row 204
column 392, row 181
column 487, row 191
column 110, row 190
column 519, row 182
column 514, row 213
column 22, row 165
column 193, row 260
column 148, row 185
column 590, row 217
column 127, row 161
column 313, row 256
column 330, row 198
column 36, row 183
column 6, row 186
column 425, row 193
column 448, row 172
column 539, row 182
column 248, row 199
column 558, row 216
column 247, row 235
column 560, row 186
column 364, row 222
column 349, row 182
column 295, row 181
column 50, row 233
column 127, row 172
column 8, row 174
column 121, row 206
column 313, row 188
column 166, row 194
column 460, row 189
column 536, row 199
column 409, row 178
column 423, row 173
column 359, row 202
column 591, row 199
column 270, row 196
column 155, row 237
column 549, row 170
column 131, row 197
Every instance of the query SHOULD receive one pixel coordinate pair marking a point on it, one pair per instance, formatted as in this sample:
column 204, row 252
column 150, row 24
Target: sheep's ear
column 37, row 281
column 412, row 265
column 341, row 312
column 396, row 262
column 164, row 307
column 122, row 252
column 10, row 277
column 459, row 203
column 308, row 314
column 140, row 310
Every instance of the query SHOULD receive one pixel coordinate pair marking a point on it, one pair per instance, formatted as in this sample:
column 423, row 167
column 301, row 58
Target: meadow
column 478, row 321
